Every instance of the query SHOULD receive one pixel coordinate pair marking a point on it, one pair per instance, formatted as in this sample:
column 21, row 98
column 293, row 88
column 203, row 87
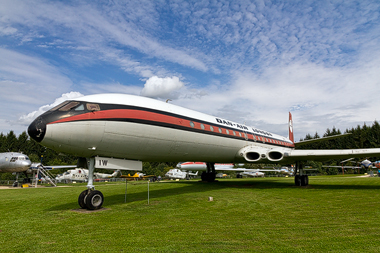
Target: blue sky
column 246, row 61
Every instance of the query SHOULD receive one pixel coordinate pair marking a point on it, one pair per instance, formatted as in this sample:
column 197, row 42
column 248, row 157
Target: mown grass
column 336, row 214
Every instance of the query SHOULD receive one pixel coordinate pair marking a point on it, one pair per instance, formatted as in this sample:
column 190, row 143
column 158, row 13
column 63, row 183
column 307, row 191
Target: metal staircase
column 49, row 178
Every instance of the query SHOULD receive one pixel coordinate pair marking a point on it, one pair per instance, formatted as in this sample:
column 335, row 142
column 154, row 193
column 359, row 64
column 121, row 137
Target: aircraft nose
column 37, row 129
column 26, row 164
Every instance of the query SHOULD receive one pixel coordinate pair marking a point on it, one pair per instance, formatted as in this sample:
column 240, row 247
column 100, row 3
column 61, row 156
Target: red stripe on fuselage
column 167, row 119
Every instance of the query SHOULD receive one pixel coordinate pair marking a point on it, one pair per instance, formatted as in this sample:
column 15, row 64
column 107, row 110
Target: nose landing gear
column 91, row 199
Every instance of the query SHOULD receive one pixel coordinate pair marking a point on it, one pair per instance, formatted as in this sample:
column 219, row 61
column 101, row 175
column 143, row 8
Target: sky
column 250, row 62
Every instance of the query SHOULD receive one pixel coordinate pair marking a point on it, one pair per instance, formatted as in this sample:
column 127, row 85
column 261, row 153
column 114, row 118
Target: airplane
column 15, row 163
column 179, row 174
column 202, row 166
column 365, row 164
column 221, row 175
column 137, row 176
column 80, row 174
column 128, row 129
column 252, row 174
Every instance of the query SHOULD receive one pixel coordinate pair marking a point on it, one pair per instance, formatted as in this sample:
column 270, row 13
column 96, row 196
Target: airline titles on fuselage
column 229, row 123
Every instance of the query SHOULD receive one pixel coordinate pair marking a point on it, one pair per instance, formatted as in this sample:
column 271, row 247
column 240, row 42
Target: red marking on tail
column 291, row 136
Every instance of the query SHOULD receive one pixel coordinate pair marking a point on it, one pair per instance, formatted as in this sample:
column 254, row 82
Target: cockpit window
column 59, row 106
column 69, row 106
column 13, row 159
column 79, row 108
column 93, row 107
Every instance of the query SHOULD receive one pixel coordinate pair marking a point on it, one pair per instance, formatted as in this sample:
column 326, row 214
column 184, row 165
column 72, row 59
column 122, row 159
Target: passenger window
column 211, row 128
column 192, row 124
column 93, row 107
column 202, row 126
column 220, row 130
column 228, row 132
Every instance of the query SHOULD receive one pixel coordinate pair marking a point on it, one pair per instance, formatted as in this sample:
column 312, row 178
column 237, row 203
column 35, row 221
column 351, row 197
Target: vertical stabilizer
column 291, row 136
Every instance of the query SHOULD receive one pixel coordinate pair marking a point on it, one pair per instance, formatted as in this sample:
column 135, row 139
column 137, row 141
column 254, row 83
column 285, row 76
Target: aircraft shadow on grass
column 196, row 186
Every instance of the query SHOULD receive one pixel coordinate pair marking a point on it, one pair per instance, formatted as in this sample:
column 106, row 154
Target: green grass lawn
column 336, row 214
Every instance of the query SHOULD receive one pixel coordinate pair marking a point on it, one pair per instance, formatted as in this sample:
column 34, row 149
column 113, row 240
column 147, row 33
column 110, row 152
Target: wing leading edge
column 324, row 154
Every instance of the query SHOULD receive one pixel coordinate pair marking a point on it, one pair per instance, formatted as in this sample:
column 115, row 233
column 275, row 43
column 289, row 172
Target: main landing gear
column 300, row 179
column 91, row 199
column 210, row 174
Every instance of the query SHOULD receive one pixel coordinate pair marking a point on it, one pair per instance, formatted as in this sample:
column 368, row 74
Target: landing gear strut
column 300, row 179
column 91, row 199
column 210, row 174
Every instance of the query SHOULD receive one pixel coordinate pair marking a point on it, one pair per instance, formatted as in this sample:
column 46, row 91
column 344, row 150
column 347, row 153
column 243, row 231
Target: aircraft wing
column 51, row 167
column 243, row 170
column 325, row 154
column 346, row 167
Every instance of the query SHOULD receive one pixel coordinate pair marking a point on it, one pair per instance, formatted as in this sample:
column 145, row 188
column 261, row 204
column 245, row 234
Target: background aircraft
column 202, row 166
column 365, row 164
column 80, row 174
column 14, row 162
column 137, row 176
column 251, row 174
column 179, row 174
column 132, row 129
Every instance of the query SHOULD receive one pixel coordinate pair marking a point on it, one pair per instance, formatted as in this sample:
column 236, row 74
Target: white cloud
column 28, row 118
column 162, row 87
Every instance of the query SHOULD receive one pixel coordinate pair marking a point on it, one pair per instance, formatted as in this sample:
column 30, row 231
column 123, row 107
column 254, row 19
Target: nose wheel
column 90, row 199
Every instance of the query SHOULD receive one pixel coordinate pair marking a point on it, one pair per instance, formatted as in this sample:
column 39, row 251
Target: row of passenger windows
column 220, row 130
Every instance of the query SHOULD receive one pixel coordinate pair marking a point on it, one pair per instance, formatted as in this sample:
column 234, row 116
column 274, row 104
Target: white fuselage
column 82, row 175
column 178, row 174
column 253, row 174
column 139, row 128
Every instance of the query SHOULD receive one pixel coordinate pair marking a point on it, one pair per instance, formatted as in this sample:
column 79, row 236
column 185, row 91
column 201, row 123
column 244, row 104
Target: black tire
column 211, row 177
column 304, row 180
column 94, row 200
column 204, row 176
column 297, row 180
column 82, row 199
column 303, row 183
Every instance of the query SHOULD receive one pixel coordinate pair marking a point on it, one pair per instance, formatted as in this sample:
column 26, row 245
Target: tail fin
column 291, row 136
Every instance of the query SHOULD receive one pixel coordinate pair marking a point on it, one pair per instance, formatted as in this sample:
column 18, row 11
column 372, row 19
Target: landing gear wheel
column 304, row 180
column 211, row 177
column 94, row 200
column 297, row 180
column 204, row 176
column 82, row 199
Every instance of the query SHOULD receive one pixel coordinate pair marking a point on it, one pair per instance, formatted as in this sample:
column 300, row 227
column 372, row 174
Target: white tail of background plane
column 291, row 136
